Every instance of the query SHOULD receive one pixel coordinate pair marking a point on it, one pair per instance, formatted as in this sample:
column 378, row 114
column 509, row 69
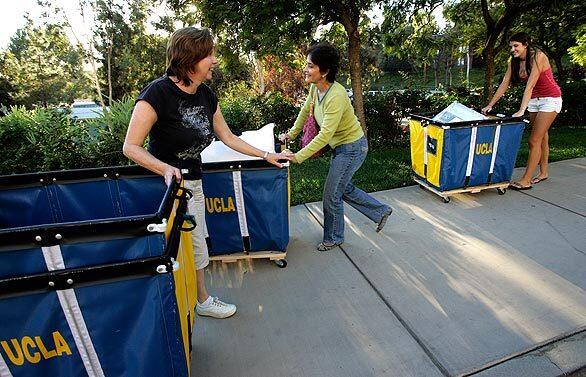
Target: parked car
column 86, row 110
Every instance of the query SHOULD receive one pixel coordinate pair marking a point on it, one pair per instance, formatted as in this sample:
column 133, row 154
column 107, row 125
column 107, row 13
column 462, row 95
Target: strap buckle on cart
column 162, row 268
column 190, row 219
column 158, row 228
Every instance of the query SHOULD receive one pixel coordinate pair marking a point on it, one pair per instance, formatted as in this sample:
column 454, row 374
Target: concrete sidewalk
column 486, row 285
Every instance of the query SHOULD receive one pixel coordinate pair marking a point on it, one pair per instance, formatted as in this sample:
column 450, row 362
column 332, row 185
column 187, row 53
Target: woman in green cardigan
column 340, row 129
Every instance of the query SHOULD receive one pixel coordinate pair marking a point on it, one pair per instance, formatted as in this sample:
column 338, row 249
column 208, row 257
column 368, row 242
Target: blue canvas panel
column 482, row 155
column 86, row 201
column 21, row 262
column 506, row 156
column 221, row 216
column 31, row 261
column 267, row 208
column 133, row 326
column 141, row 196
column 35, row 339
column 112, row 251
column 139, row 334
column 133, row 322
column 24, row 207
column 455, row 155
column 453, row 169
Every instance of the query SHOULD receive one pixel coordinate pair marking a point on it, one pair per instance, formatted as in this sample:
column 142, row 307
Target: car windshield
column 84, row 105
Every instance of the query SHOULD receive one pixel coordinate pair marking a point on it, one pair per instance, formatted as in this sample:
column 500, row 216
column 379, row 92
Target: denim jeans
column 346, row 160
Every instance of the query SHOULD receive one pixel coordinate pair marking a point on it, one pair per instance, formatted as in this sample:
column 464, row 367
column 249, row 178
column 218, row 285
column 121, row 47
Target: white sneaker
column 216, row 309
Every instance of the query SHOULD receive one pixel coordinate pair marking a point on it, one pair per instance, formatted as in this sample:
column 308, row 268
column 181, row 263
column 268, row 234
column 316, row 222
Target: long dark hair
column 516, row 62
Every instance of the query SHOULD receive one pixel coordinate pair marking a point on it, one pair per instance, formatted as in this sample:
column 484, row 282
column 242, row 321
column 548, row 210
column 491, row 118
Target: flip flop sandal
column 518, row 187
column 537, row 180
column 325, row 247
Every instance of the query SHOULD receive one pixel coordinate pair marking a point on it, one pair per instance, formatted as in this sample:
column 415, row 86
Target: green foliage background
column 48, row 139
column 41, row 67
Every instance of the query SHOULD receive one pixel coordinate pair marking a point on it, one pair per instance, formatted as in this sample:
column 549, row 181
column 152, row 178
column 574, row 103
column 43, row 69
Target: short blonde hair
column 186, row 48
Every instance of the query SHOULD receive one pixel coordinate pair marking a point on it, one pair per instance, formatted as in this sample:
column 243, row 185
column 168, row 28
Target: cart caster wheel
column 446, row 200
column 281, row 263
column 501, row 191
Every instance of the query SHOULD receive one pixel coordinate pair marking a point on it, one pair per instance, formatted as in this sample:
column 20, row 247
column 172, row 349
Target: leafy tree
column 547, row 21
column 233, row 68
column 467, row 28
column 578, row 52
column 130, row 56
column 411, row 37
column 284, row 75
column 274, row 26
column 41, row 67
column 370, row 50
column 449, row 52
column 5, row 89
column 499, row 17
column 555, row 33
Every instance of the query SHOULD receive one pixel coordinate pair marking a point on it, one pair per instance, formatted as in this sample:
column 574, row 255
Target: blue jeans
column 346, row 160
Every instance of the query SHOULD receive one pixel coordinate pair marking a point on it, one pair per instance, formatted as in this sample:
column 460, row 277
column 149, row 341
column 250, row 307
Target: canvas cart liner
column 246, row 201
column 464, row 155
column 96, row 274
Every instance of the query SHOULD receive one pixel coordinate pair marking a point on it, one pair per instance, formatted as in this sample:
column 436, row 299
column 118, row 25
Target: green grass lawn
column 390, row 168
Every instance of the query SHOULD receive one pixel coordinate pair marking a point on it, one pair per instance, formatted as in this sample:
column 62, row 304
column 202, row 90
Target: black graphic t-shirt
column 184, row 125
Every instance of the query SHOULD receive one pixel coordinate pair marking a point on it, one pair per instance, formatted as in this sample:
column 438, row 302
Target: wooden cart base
column 276, row 256
column 445, row 195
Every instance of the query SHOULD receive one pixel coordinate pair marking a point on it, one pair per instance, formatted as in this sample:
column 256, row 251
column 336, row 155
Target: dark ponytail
column 516, row 62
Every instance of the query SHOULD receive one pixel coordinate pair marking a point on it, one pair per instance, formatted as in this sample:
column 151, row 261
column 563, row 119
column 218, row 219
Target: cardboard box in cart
column 97, row 275
column 247, row 201
column 464, row 156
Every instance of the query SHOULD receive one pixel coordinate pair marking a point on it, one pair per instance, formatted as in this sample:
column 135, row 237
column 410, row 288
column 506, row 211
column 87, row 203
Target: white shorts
column 196, row 207
column 545, row 104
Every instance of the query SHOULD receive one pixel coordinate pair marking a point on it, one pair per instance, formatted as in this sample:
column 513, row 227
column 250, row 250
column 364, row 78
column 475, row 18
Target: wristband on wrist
column 264, row 157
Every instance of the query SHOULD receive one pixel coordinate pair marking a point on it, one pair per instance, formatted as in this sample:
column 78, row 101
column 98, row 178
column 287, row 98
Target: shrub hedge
column 247, row 111
column 48, row 139
column 41, row 139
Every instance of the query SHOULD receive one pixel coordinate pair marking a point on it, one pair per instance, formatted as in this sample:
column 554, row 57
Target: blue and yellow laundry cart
column 471, row 156
column 97, row 274
column 247, row 204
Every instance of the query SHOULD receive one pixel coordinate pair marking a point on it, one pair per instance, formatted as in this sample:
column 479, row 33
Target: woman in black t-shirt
column 181, row 115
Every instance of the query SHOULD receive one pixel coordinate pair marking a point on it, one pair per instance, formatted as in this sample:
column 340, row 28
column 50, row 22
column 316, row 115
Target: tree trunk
column 356, row 71
column 499, row 29
column 259, row 73
column 452, row 61
column 468, row 64
column 435, row 72
column 489, row 73
column 89, row 53
column 560, row 68
column 95, row 77
column 110, row 74
column 447, row 78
